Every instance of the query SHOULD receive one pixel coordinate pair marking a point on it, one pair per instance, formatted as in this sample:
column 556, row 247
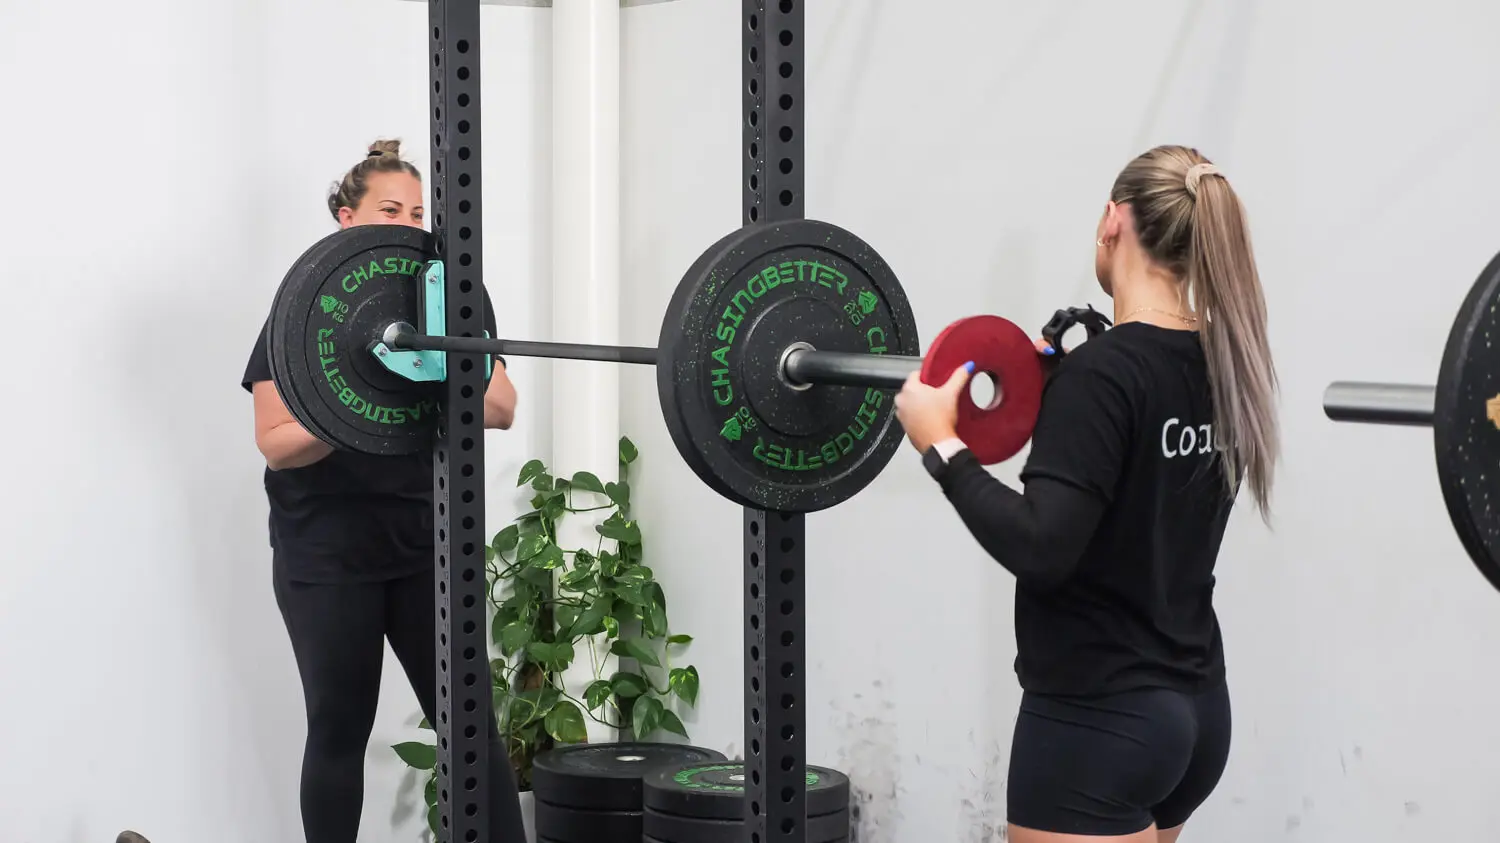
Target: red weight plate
column 1003, row 351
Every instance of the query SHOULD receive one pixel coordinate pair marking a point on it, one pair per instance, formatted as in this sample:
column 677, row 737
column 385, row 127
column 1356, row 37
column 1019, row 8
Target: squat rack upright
column 773, row 64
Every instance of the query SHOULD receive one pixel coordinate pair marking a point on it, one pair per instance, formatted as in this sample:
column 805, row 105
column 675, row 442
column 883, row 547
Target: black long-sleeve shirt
column 1114, row 540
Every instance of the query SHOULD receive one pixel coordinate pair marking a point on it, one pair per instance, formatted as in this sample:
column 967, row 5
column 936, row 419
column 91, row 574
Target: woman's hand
column 930, row 413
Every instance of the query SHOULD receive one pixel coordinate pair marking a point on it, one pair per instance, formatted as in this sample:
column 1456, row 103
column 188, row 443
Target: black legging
column 338, row 634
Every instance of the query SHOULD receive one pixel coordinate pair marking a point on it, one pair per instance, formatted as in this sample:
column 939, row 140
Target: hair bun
column 385, row 147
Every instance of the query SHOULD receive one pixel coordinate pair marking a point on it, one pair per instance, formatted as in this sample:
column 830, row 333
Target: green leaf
column 628, row 685
column 505, row 540
column 540, row 578
column 528, row 707
column 554, row 509
column 530, row 471
column 420, row 756
column 514, row 637
column 597, row 693
column 591, row 620
column 611, row 626
column 565, row 616
column 609, row 564
column 684, row 683
column 653, row 593
column 617, row 528
column 565, row 723
column 550, row 558
column 646, row 717
column 576, row 580
column 433, row 817
column 588, row 482
column 630, row 593
column 489, row 554
column 531, row 546
column 635, row 573
column 582, row 559
column 430, row 791
column 672, row 723
column 636, row 649
column 680, row 639
column 619, row 493
column 552, row 656
column 628, row 452
column 654, row 621
column 529, row 523
column 424, row 724
column 542, row 483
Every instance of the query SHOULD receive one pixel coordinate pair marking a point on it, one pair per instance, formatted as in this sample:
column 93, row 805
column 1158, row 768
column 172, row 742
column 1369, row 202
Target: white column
column 585, row 259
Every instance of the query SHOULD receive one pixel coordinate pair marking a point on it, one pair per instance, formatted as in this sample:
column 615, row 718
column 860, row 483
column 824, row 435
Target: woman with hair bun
column 352, row 556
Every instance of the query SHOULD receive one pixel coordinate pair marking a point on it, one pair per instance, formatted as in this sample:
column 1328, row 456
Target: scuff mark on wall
column 869, row 753
column 982, row 806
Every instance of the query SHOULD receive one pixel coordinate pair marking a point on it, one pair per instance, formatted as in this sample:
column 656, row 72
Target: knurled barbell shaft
column 1380, row 403
column 521, row 348
column 802, row 365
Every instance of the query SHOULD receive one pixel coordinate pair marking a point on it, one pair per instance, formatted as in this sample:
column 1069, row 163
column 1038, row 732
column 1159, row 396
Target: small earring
column 1099, row 242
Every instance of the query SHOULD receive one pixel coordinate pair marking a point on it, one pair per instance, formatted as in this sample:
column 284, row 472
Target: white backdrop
column 168, row 159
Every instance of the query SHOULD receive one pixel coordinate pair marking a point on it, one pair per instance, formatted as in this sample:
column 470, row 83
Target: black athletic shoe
column 130, row 837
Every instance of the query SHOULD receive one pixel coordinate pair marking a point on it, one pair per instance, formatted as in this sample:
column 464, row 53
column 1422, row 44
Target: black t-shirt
column 348, row 517
column 1115, row 539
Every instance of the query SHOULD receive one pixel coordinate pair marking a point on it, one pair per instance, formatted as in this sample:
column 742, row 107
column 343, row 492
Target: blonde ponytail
column 1190, row 220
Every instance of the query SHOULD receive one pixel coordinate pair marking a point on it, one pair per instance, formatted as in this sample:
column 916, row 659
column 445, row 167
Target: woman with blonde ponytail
column 1145, row 437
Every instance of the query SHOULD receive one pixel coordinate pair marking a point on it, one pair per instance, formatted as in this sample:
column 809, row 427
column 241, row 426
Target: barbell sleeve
column 1380, row 403
column 838, row 368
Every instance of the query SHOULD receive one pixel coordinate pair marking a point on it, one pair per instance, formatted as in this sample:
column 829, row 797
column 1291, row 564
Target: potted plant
column 549, row 603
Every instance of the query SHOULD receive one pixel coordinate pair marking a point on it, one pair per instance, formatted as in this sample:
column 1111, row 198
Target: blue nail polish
column 969, row 367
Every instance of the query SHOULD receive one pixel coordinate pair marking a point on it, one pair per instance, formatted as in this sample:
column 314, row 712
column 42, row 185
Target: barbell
column 774, row 364
column 1463, row 410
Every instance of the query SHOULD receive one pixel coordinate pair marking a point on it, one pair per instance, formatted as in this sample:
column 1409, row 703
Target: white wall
column 167, row 162
column 973, row 144
column 169, row 159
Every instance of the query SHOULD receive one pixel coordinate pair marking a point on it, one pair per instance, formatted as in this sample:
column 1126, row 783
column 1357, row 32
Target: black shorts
column 1114, row 765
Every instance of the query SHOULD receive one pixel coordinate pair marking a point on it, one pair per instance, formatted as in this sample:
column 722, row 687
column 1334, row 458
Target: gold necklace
column 1187, row 320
